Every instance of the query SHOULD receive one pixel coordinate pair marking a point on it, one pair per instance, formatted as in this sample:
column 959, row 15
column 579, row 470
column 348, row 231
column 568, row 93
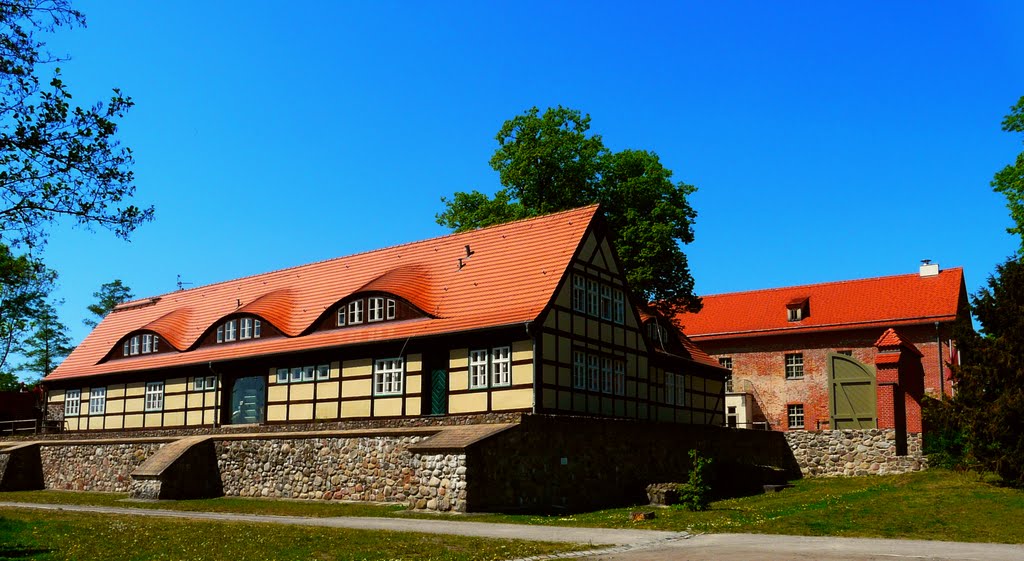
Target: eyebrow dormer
column 141, row 343
column 372, row 307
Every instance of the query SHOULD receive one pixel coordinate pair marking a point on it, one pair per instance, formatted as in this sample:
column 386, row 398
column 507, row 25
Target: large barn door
column 852, row 394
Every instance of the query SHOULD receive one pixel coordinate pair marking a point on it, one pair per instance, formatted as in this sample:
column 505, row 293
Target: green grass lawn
column 933, row 505
column 45, row 536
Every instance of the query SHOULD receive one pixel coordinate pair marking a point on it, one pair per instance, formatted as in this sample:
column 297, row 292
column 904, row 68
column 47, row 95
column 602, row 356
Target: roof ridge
column 827, row 283
column 592, row 207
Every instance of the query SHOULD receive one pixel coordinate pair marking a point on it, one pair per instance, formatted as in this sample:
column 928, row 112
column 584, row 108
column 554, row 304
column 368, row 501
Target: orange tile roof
column 864, row 303
column 510, row 278
column 891, row 340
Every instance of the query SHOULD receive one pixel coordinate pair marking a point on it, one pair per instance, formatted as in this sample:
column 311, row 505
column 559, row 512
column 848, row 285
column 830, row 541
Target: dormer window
column 372, row 308
column 657, row 332
column 355, row 312
column 797, row 309
column 236, row 329
column 143, row 343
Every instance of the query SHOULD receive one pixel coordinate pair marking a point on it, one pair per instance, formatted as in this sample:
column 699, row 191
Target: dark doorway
column 248, row 400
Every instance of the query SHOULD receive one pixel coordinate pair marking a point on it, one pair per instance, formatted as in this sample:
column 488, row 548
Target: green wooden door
column 438, row 392
column 852, row 394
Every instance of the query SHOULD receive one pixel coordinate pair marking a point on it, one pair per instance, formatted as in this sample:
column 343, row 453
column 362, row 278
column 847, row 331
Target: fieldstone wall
column 854, row 452
column 93, row 467
column 377, row 468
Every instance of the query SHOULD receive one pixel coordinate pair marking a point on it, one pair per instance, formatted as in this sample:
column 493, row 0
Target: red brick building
column 849, row 354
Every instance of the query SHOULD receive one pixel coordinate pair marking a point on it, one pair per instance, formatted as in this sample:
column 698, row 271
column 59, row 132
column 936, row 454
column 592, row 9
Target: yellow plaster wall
column 358, row 408
column 134, row 404
column 387, row 407
column 152, row 419
column 174, row 402
column 356, row 388
column 276, row 412
column 413, row 406
column 327, row 390
column 511, row 399
column 300, row 411
column 301, row 391
column 174, row 419
column 327, row 410
column 413, row 383
column 467, row 403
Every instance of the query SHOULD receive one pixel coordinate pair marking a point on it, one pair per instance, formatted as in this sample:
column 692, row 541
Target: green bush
column 695, row 494
column 944, row 440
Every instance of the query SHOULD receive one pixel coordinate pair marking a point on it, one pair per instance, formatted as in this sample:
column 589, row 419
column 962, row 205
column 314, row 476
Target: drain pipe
column 216, row 395
column 942, row 367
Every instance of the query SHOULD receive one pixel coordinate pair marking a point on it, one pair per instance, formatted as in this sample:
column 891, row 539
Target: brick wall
column 761, row 362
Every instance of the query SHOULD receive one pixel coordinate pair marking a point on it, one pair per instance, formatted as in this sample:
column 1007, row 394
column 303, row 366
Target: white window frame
column 296, row 374
column 199, row 384
column 477, row 369
column 308, row 373
column 579, row 293
column 606, row 375
column 794, row 366
column 501, row 366
column 606, row 302
column 795, row 416
column 375, row 309
column 323, row 371
column 681, row 390
column 156, row 343
column 220, row 333
column 579, row 370
column 230, row 330
column 593, row 298
column 127, row 347
column 154, row 396
column 593, row 373
column 670, row 388
column 245, row 328
column 392, row 309
column 97, row 401
column 619, row 374
column 341, row 315
column 355, row 312
column 72, row 403
column 618, row 306
column 388, row 376
column 283, row 375
column 211, row 383
column 135, row 345
column 147, row 343
column 257, row 328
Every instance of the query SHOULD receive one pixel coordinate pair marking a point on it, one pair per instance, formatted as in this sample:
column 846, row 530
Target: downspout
column 536, row 376
column 942, row 367
column 217, row 412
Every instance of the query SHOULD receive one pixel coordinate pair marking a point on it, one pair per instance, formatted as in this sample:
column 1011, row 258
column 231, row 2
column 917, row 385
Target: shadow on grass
column 11, row 552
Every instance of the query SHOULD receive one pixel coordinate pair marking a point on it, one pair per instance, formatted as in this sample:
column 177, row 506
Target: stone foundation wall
column 854, row 452
column 379, row 468
column 89, row 467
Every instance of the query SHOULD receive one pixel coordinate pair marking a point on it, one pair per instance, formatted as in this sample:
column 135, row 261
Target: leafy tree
column 109, row 295
column 1010, row 180
column 56, row 160
column 550, row 162
column 989, row 401
column 25, row 284
column 47, row 345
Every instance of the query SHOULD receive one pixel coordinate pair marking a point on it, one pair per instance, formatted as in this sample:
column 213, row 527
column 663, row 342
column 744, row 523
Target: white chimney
column 929, row 269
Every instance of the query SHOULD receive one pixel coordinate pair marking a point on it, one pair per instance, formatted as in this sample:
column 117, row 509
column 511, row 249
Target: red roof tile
column 891, row 340
column 510, row 277
column 875, row 302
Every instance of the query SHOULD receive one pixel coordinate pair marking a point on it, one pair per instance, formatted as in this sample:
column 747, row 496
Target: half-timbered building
column 532, row 316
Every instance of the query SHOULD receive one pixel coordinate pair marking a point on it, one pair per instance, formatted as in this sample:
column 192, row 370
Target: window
column 303, row 373
column 135, row 345
column 220, row 333
column 392, row 309
column 245, row 328
column 680, row 390
column 606, row 302
column 230, row 330
column 127, row 347
column 211, row 383
column 731, row 418
column 794, row 366
column 796, row 415
column 376, row 309
column 355, row 312
column 847, row 353
column 199, row 384
column 478, row 369
column 670, row 388
column 593, row 373
column 97, row 401
column 154, row 396
column 501, row 366
column 725, row 362
column 619, row 372
column 657, row 333
column 257, row 328
column 606, row 375
column 341, row 316
column 147, row 343
column 72, row 402
column 619, row 306
column 579, row 370
column 388, row 376
column 794, row 314
column 579, row 294
column 593, row 298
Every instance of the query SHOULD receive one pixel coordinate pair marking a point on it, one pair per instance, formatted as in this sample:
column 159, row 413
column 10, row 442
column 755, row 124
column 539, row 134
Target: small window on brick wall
column 794, row 366
column 795, row 414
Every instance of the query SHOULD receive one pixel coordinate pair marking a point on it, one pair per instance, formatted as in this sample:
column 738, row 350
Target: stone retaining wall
column 93, row 467
column 379, row 468
column 854, row 452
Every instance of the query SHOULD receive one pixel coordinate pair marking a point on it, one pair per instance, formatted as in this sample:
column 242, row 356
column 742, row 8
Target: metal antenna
column 181, row 284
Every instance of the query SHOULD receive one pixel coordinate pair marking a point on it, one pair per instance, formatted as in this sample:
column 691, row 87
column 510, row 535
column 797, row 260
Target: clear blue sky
column 828, row 140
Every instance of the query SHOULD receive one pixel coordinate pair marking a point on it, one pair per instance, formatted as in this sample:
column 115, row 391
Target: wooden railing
column 29, row 426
